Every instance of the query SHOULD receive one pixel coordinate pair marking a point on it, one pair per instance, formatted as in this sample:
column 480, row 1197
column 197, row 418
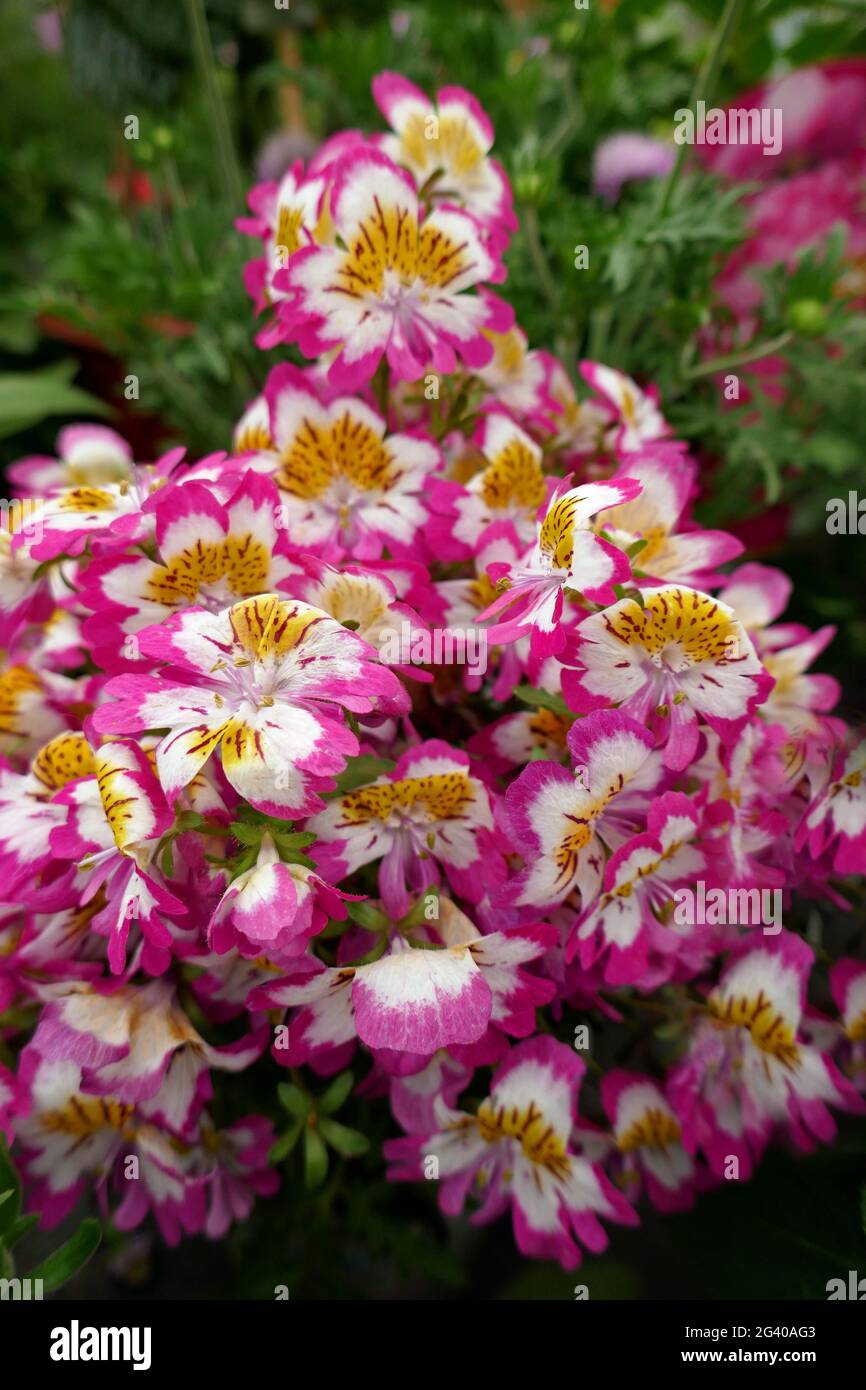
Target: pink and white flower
column 345, row 486
column 274, row 907
column 33, row 705
column 640, row 420
column 747, row 1071
column 445, row 146
column 647, row 1138
column 848, row 983
column 561, row 819
column 209, row 554
column 516, row 1152
column 630, row 920
column 444, row 991
column 236, row 1168
column 509, row 488
column 431, row 811
column 517, row 377
column 836, row 819
column 72, row 1139
column 88, row 456
column 397, row 286
column 135, row 1044
column 568, row 557
column 363, row 599
column 114, row 822
column 667, row 476
column 28, row 811
column 265, row 682
column 287, row 216
column 681, row 658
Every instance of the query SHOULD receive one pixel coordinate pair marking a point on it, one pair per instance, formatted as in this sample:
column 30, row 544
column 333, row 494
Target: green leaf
column 542, row 699
column 358, row 771
column 293, row 1099
column 69, row 1258
column 293, row 856
column 366, row 915
column 27, row 398
column 348, row 1142
column 17, row 333
column 250, row 835
column 243, row 862
column 10, row 1186
column 315, row 1159
column 294, row 839
column 418, row 912
column 337, row 1094
column 20, row 1228
column 286, row 1143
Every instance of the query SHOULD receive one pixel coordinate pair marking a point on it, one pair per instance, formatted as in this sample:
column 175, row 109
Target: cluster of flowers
column 222, row 810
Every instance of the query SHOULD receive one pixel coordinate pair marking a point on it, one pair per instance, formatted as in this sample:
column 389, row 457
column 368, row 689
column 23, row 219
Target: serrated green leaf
column 294, row 839
column 293, row 856
column 243, row 862
column 250, row 835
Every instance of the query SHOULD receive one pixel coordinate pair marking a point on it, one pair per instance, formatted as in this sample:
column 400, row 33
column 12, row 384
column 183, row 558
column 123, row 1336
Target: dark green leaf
column 69, row 1258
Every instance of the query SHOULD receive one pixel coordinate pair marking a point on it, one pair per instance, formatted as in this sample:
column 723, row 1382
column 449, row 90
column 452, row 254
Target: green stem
column 740, row 359
column 204, row 57
column 599, row 332
column 569, row 123
column 704, row 85
column 539, row 260
column 180, row 211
